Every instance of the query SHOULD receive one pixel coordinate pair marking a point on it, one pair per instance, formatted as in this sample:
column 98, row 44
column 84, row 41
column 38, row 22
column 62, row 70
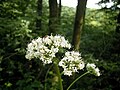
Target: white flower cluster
column 71, row 62
column 93, row 69
column 45, row 48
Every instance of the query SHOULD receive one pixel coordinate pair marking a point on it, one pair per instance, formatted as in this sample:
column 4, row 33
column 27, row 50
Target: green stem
column 59, row 77
column 77, row 80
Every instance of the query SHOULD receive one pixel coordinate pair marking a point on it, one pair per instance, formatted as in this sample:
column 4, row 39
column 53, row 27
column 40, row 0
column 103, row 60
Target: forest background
column 99, row 42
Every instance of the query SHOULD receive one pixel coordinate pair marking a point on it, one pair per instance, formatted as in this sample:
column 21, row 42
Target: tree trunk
column 53, row 16
column 39, row 11
column 118, row 23
column 78, row 25
column 116, row 44
column 59, row 13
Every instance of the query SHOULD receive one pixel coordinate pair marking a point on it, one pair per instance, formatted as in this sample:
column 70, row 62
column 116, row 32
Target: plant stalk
column 77, row 79
column 59, row 77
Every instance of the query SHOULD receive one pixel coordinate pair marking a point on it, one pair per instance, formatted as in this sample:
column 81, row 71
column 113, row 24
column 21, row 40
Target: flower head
column 59, row 41
column 93, row 69
column 45, row 48
column 71, row 62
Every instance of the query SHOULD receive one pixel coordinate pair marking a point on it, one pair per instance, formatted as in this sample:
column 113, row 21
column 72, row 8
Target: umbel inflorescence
column 46, row 48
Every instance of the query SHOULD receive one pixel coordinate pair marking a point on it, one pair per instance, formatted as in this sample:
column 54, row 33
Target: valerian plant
column 47, row 49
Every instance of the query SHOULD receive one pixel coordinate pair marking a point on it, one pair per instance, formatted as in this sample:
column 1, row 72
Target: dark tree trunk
column 60, row 9
column 118, row 23
column 116, row 43
column 78, row 25
column 53, row 16
column 39, row 11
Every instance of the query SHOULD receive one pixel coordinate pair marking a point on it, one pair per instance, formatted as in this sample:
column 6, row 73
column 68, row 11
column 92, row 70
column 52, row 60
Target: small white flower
column 39, row 40
column 93, row 69
column 36, row 54
column 67, row 72
column 97, row 72
column 29, row 56
column 81, row 65
column 54, row 49
column 47, row 40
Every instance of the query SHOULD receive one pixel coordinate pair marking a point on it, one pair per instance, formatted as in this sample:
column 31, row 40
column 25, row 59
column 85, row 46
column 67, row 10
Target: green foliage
column 17, row 28
column 98, row 42
column 29, row 83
